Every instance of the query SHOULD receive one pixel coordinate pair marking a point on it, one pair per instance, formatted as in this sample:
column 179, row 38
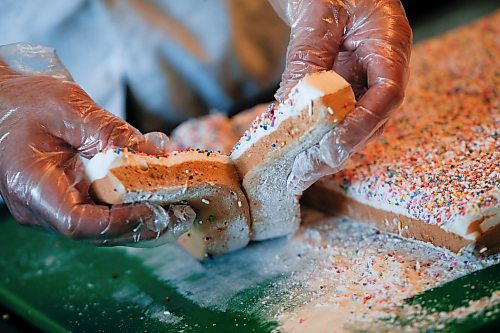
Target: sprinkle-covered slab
column 438, row 160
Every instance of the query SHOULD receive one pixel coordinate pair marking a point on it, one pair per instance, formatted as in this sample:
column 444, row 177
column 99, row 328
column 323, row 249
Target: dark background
column 417, row 10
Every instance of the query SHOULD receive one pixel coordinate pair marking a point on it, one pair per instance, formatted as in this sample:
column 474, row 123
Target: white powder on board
column 333, row 273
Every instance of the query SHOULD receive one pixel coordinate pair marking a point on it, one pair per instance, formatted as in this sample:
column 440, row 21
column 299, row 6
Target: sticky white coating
column 101, row 163
column 460, row 226
column 310, row 88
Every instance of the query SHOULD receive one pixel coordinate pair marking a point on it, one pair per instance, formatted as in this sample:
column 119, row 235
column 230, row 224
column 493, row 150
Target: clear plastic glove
column 368, row 42
column 46, row 123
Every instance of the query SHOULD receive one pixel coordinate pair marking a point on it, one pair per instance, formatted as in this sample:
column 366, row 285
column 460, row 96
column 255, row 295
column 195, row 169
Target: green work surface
column 61, row 285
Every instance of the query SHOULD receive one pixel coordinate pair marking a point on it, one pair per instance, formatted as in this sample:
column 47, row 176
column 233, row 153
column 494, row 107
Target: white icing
column 459, row 225
column 98, row 167
column 314, row 86
column 311, row 87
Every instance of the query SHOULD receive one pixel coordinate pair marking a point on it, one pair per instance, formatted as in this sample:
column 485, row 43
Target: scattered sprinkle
column 437, row 160
column 263, row 122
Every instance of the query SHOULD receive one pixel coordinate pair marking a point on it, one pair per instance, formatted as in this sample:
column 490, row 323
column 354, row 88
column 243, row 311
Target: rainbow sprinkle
column 438, row 158
column 118, row 150
column 264, row 122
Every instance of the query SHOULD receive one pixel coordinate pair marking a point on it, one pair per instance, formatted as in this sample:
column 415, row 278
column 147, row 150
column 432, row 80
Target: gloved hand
column 46, row 123
column 368, row 42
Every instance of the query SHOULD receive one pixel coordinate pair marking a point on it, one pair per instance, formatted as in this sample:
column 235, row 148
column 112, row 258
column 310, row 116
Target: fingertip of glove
column 130, row 214
column 162, row 226
column 293, row 185
column 282, row 93
column 174, row 220
column 155, row 143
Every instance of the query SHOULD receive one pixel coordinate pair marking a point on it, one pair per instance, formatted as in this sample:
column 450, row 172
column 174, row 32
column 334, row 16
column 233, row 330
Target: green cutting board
column 61, row 285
